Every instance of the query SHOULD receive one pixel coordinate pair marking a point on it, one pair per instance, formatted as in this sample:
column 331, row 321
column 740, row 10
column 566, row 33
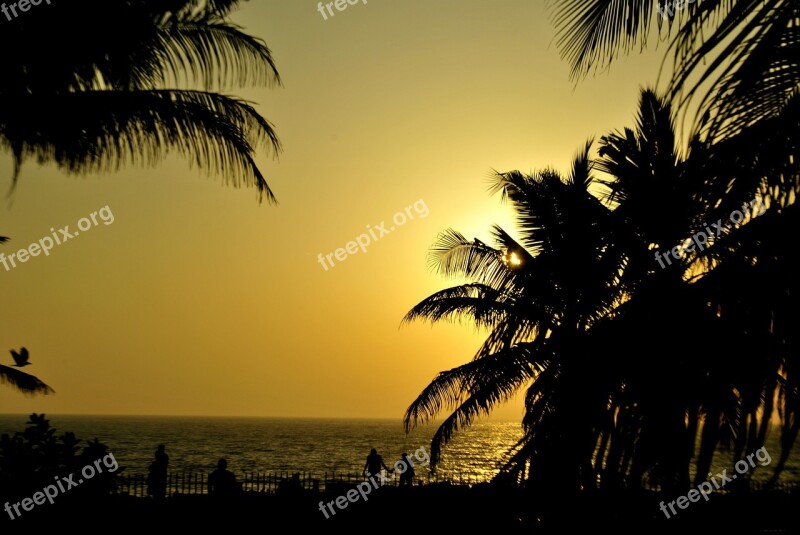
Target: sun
column 513, row 259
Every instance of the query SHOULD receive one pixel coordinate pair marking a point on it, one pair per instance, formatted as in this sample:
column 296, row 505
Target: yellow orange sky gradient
column 199, row 301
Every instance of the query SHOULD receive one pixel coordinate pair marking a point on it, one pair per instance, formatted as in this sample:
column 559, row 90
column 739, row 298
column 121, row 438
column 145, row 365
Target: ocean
column 194, row 444
column 317, row 446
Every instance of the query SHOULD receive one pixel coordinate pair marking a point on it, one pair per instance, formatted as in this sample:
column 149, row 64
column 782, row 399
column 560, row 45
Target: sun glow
column 513, row 259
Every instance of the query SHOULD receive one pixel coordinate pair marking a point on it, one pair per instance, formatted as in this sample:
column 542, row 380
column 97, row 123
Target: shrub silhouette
column 38, row 456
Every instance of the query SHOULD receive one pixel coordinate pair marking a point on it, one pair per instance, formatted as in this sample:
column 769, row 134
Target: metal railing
column 263, row 482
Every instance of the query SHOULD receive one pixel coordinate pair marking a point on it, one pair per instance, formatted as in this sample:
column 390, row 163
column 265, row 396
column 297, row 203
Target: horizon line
column 49, row 414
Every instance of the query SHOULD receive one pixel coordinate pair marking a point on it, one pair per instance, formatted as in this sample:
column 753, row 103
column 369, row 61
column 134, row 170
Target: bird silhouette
column 20, row 358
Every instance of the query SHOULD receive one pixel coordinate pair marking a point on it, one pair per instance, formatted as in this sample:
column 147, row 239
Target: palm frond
column 486, row 306
column 592, row 33
column 104, row 130
column 25, row 383
column 119, row 101
column 754, row 72
column 452, row 255
column 214, row 54
column 740, row 57
column 472, row 389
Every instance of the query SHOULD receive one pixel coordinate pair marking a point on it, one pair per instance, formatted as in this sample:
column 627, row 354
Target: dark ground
column 428, row 509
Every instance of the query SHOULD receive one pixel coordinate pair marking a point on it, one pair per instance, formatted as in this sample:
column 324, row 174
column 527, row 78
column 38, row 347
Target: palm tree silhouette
column 523, row 291
column 583, row 316
column 95, row 85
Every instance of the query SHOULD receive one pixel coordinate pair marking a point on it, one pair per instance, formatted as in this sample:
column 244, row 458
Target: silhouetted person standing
column 157, row 478
column 373, row 465
column 407, row 475
column 222, row 483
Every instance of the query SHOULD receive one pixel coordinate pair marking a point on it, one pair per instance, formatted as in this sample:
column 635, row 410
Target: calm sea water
column 279, row 444
column 308, row 445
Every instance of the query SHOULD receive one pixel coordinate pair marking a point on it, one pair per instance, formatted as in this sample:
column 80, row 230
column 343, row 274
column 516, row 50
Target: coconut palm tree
column 740, row 59
column 721, row 386
column 583, row 315
column 535, row 295
column 94, row 85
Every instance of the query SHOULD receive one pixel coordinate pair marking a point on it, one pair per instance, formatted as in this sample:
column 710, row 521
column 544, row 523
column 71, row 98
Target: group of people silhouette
column 375, row 463
column 221, row 482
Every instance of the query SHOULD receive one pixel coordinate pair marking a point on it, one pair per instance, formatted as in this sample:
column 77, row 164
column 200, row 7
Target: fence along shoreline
column 267, row 482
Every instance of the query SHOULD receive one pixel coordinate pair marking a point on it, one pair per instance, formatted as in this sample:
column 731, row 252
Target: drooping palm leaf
column 93, row 131
column 24, row 382
column 473, row 389
column 135, row 88
column 738, row 57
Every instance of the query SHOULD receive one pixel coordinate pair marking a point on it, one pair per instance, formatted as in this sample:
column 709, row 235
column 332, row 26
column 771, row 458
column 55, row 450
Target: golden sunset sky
column 197, row 300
